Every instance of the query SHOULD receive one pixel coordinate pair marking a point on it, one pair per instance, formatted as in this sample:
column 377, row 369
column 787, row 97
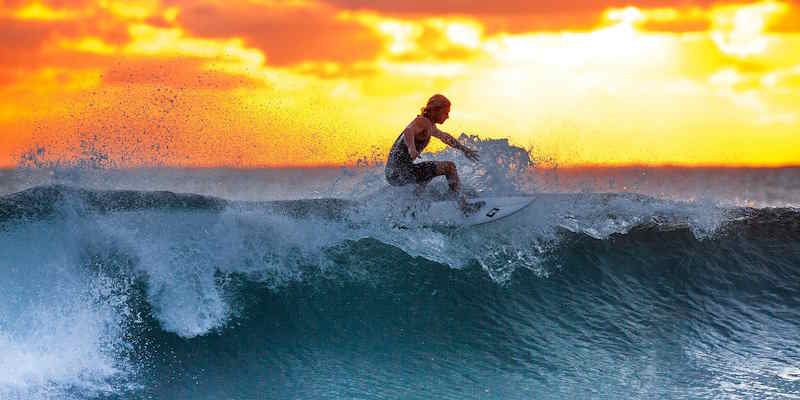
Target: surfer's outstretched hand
column 471, row 154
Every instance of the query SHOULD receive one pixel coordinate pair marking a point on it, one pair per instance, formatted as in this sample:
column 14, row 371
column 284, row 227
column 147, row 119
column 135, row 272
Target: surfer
column 400, row 168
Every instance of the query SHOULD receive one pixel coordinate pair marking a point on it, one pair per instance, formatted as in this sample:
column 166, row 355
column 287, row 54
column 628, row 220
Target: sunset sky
column 321, row 82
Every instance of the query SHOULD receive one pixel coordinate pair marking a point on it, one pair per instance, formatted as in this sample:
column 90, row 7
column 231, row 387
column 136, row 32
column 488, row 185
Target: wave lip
column 48, row 200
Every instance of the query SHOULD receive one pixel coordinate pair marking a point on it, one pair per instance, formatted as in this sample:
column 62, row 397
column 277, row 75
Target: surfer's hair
column 435, row 103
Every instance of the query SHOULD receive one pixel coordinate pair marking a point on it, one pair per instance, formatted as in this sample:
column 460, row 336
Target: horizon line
column 583, row 166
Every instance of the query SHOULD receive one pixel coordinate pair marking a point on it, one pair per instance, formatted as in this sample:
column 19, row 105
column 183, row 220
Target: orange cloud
column 506, row 16
column 677, row 26
column 787, row 22
column 510, row 16
column 506, row 7
column 20, row 41
column 33, row 38
column 112, row 38
column 286, row 34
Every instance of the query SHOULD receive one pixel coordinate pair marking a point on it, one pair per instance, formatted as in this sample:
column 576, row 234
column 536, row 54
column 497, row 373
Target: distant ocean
column 619, row 283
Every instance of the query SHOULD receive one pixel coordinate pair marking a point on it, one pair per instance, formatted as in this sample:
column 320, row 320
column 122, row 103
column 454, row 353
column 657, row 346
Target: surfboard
column 445, row 213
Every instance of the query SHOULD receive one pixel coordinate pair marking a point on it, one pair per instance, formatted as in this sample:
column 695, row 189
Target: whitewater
column 187, row 284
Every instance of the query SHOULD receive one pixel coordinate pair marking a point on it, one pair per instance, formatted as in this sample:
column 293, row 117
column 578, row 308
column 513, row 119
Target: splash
column 503, row 170
column 62, row 317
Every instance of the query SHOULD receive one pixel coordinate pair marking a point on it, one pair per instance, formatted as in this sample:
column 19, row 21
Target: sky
column 325, row 82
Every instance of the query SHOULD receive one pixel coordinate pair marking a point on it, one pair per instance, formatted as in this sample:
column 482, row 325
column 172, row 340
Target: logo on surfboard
column 492, row 212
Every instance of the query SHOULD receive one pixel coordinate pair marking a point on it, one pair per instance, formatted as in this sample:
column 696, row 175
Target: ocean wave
column 112, row 290
column 48, row 200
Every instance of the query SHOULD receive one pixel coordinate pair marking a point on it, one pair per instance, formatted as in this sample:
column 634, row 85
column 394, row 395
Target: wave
column 113, row 293
column 50, row 200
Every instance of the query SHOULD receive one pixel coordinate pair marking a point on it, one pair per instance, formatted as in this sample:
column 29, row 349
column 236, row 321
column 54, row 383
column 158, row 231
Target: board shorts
column 404, row 173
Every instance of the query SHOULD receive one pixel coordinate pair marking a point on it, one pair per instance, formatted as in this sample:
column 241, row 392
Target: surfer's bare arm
column 410, row 132
column 449, row 140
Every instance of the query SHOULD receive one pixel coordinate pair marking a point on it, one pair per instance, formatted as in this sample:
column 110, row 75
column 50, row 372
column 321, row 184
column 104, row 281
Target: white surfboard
column 446, row 213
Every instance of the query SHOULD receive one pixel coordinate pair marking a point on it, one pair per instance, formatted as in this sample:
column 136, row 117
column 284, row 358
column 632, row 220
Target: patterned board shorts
column 403, row 174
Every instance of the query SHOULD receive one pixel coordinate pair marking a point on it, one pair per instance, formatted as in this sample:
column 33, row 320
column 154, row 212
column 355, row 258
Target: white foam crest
column 396, row 216
column 526, row 239
column 178, row 253
column 181, row 254
column 60, row 328
column 600, row 215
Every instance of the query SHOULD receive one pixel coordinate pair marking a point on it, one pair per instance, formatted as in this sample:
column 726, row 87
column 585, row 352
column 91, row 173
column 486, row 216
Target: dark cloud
column 306, row 37
column 286, row 35
column 55, row 4
column 23, row 44
column 509, row 16
column 27, row 45
column 507, row 7
column 20, row 41
column 516, row 24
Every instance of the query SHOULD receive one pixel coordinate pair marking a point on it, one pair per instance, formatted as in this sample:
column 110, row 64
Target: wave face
column 138, row 294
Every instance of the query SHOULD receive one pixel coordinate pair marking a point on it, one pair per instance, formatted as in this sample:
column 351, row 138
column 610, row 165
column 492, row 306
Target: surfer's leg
column 448, row 169
column 423, row 172
column 400, row 174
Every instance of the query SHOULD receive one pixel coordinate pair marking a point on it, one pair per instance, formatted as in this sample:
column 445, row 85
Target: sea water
column 272, row 284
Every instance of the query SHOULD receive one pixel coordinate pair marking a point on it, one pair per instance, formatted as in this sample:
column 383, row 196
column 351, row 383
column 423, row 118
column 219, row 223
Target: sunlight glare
column 740, row 31
column 464, row 33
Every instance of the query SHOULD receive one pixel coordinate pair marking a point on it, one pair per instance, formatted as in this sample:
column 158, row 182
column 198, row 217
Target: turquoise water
column 141, row 294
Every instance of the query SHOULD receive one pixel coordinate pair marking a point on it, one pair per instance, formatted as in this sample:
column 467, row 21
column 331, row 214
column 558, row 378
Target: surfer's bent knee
column 446, row 167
